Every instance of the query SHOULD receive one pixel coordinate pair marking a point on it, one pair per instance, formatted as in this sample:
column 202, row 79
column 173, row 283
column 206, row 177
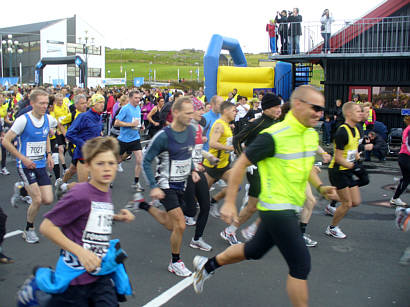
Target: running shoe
column 308, row 241
column 190, row 221
column 397, row 202
column 214, row 211
column 4, row 259
column 119, row 168
column 249, row 232
column 329, row 210
column 16, row 194
column 201, row 244
column 402, row 218
column 335, row 232
column 179, row 269
column 27, row 200
column 230, row 237
column 30, row 236
column 59, row 192
column 200, row 274
column 137, row 187
column 221, row 183
column 4, row 171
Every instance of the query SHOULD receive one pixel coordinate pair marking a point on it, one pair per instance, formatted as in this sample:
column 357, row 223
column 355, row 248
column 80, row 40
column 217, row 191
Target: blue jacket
column 86, row 126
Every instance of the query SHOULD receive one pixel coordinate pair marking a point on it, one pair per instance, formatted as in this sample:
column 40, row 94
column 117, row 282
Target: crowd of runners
column 183, row 145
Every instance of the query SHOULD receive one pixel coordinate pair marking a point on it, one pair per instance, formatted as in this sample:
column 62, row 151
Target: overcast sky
column 180, row 24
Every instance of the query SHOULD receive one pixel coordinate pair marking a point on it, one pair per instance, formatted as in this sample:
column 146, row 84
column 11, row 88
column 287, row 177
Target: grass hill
column 165, row 64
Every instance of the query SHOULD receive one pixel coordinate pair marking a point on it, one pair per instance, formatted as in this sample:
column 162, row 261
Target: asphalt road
column 361, row 270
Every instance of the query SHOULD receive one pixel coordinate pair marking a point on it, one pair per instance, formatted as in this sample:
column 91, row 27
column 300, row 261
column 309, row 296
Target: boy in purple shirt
column 81, row 223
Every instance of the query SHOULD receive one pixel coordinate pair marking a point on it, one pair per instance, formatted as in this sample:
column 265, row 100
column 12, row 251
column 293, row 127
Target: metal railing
column 366, row 35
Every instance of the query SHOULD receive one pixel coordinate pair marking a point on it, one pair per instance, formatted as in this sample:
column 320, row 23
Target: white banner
column 114, row 81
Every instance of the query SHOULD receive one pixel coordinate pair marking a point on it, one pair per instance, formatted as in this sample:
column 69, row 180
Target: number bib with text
column 351, row 155
column 180, row 170
column 36, row 150
column 97, row 232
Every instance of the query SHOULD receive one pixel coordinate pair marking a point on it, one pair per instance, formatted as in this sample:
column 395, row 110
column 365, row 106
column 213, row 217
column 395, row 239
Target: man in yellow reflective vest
column 284, row 154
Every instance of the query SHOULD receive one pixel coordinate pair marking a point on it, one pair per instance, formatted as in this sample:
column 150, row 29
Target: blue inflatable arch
column 211, row 60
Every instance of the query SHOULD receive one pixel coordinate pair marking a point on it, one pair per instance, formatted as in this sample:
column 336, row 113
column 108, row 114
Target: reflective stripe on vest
column 296, row 155
column 279, row 207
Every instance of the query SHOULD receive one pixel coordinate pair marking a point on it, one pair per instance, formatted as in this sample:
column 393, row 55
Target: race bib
column 351, row 155
column 97, row 232
column 139, row 123
column 180, row 170
column 197, row 153
column 257, row 115
column 36, row 150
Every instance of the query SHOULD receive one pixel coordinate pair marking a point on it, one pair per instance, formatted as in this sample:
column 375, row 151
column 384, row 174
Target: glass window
column 391, row 97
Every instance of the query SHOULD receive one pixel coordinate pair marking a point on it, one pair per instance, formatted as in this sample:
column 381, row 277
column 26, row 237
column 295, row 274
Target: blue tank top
column 180, row 158
column 33, row 142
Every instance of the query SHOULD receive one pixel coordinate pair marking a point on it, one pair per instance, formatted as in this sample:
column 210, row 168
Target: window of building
column 78, row 49
column 74, row 71
column 391, row 97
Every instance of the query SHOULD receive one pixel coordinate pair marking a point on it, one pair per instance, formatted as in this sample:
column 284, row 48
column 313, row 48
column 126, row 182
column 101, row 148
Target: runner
column 284, row 154
column 343, row 162
column 74, row 224
column 172, row 147
column 271, row 112
column 33, row 155
column 154, row 118
column 211, row 116
column 86, row 126
column 129, row 121
column 220, row 146
column 63, row 116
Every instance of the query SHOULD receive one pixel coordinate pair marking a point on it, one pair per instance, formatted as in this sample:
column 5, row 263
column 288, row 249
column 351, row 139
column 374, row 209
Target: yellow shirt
column 225, row 139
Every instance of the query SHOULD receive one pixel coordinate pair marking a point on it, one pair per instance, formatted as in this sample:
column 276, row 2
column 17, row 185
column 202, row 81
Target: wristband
column 319, row 186
column 324, row 153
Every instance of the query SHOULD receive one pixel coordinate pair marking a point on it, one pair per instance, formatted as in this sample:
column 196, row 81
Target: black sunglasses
column 315, row 107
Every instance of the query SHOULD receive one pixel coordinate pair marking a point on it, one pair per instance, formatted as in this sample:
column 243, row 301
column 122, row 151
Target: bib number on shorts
column 97, row 232
column 36, row 150
column 180, row 170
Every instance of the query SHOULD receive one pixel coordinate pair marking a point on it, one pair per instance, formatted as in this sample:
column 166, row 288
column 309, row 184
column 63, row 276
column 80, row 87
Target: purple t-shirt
column 85, row 215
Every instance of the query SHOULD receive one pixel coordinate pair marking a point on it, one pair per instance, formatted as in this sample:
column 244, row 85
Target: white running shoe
column 59, row 192
column 200, row 274
column 137, row 187
column 30, row 236
column 190, row 221
column 4, row 171
column 397, row 202
column 16, row 194
column 230, row 237
column 329, row 210
column 249, row 232
column 335, row 232
column 120, row 169
column 308, row 241
column 214, row 211
column 201, row 244
column 179, row 268
column 27, row 199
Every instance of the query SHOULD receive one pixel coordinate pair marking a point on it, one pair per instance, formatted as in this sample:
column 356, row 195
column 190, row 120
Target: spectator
column 325, row 30
column 295, row 32
column 327, row 129
column 255, row 110
column 379, row 147
column 282, row 19
column 371, row 116
column 270, row 28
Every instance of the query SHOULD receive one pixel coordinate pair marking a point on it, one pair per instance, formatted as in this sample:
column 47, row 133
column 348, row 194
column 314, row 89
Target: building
column 55, row 38
column 369, row 57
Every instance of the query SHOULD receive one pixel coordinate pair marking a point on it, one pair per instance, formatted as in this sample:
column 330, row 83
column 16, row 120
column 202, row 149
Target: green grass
column 166, row 64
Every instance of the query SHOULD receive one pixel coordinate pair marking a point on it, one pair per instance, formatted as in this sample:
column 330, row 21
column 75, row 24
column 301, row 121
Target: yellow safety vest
column 225, row 139
column 284, row 175
column 350, row 150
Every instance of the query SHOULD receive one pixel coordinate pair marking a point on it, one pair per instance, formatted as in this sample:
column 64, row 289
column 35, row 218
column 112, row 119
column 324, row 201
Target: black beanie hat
column 270, row 100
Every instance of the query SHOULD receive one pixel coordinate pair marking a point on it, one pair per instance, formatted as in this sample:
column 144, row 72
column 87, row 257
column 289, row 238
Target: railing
column 367, row 35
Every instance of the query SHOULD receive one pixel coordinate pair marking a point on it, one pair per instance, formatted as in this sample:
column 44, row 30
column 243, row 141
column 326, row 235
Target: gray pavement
column 361, row 270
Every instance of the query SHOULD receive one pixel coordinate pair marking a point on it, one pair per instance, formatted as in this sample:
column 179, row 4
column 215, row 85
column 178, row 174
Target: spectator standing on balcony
column 325, row 29
column 270, row 28
column 295, row 31
column 282, row 19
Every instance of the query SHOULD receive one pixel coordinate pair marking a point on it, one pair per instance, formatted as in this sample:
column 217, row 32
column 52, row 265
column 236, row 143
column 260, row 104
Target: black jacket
column 283, row 25
column 295, row 25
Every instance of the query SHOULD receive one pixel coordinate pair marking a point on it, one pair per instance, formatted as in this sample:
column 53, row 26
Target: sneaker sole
column 227, row 240
column 180, row 275
column 333, row 236
column 33, row 242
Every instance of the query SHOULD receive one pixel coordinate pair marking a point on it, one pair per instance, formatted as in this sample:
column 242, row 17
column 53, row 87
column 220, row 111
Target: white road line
column 170, row 293
column 13, row 233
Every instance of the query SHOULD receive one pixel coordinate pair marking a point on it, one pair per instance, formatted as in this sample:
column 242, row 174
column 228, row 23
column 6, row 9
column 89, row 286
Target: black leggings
column 200, row 191
column 3, row 156
column 3, row 219
column 281, row 228
column 404, row 163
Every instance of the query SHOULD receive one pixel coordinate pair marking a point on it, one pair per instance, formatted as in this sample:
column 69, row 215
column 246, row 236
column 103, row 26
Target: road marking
column 170, row 293
column 13, row 233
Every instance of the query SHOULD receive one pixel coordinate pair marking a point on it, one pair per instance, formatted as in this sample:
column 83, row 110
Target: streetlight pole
column 132, row 76
column 197, row 70
column 109, row 73
column 11, row 47
column 85, row 51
